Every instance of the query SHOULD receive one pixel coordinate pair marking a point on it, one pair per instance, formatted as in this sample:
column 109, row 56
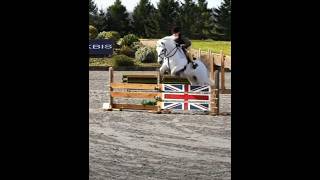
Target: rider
column 183, row 42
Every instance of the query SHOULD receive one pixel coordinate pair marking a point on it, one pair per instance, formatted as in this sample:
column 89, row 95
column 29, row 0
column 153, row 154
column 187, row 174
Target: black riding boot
column 194, row 65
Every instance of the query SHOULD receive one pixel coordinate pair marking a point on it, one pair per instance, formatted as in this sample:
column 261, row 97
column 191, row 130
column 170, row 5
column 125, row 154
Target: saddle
column 194, row 65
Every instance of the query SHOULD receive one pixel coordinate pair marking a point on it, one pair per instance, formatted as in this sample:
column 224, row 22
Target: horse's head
column 160, row 48
column 163, row 47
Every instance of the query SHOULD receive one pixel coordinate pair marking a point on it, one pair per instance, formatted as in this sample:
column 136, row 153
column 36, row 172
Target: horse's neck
column 179, row 58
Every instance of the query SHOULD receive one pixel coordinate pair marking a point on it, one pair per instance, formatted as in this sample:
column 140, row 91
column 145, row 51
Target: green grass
column 215, row 46
column 100, row 62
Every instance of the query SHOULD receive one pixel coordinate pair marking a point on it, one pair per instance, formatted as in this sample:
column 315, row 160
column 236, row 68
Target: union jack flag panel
column 172, row 105
column 202, row 89
column 173, row 87
column 185, row 97
column 185, row 88
column 203, row 106
column 190, row 106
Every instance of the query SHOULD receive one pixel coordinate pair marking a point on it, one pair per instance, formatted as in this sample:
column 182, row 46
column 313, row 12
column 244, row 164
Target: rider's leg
column 194, row 65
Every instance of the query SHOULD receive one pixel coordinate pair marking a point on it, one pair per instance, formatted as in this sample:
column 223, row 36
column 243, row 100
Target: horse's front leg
column 163, row 69
column 177, row 72
column 192, row 81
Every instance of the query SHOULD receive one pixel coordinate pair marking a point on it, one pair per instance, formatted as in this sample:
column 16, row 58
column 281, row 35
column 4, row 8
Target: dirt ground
column 140, row 145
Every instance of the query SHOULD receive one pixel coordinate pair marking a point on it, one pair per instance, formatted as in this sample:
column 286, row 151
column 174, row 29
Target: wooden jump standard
column 168, row 97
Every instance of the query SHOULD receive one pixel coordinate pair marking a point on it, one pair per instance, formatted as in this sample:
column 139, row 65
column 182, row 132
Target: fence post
column 110, row 88
column 222, row 59
column 216, row 90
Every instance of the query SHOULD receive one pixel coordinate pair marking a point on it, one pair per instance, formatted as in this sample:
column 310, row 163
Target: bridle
column 167, row 55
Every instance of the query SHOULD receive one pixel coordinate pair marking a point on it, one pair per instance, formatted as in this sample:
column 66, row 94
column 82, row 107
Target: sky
column 130, row 4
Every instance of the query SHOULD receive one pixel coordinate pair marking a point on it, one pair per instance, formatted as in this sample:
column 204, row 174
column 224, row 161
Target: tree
column 101, row 21
column 117, row 18
column 167, row 16
column 188, row 18
column 92, row 12
column 205, row 22
column 222, row 19
column 151, row 27
column 143, row 19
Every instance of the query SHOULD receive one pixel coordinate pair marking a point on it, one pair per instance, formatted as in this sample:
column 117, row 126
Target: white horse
column 175, row 62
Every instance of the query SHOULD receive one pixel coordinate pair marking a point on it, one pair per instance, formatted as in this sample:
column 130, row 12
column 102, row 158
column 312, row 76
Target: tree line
column 196, row 20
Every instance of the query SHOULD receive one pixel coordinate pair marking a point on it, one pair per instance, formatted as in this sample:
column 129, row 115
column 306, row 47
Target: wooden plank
column 217, row 59
column 225, row 91
column 158, row 78
column 111, row 79
column 147, row 79
column 222, row 71
column 176, row 81
column 134, row 86
column 149, row 76
column 141, row 81
column 146, row 95
column 211, row 65
column 216, row 92
column 140, row 76
column 154, row 80
column 227, row 62
column 135, row 107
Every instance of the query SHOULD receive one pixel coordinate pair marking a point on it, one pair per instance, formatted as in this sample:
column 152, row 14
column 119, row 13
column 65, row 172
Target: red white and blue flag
column 186, row 97
column 185, row 88
column 191, row 106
